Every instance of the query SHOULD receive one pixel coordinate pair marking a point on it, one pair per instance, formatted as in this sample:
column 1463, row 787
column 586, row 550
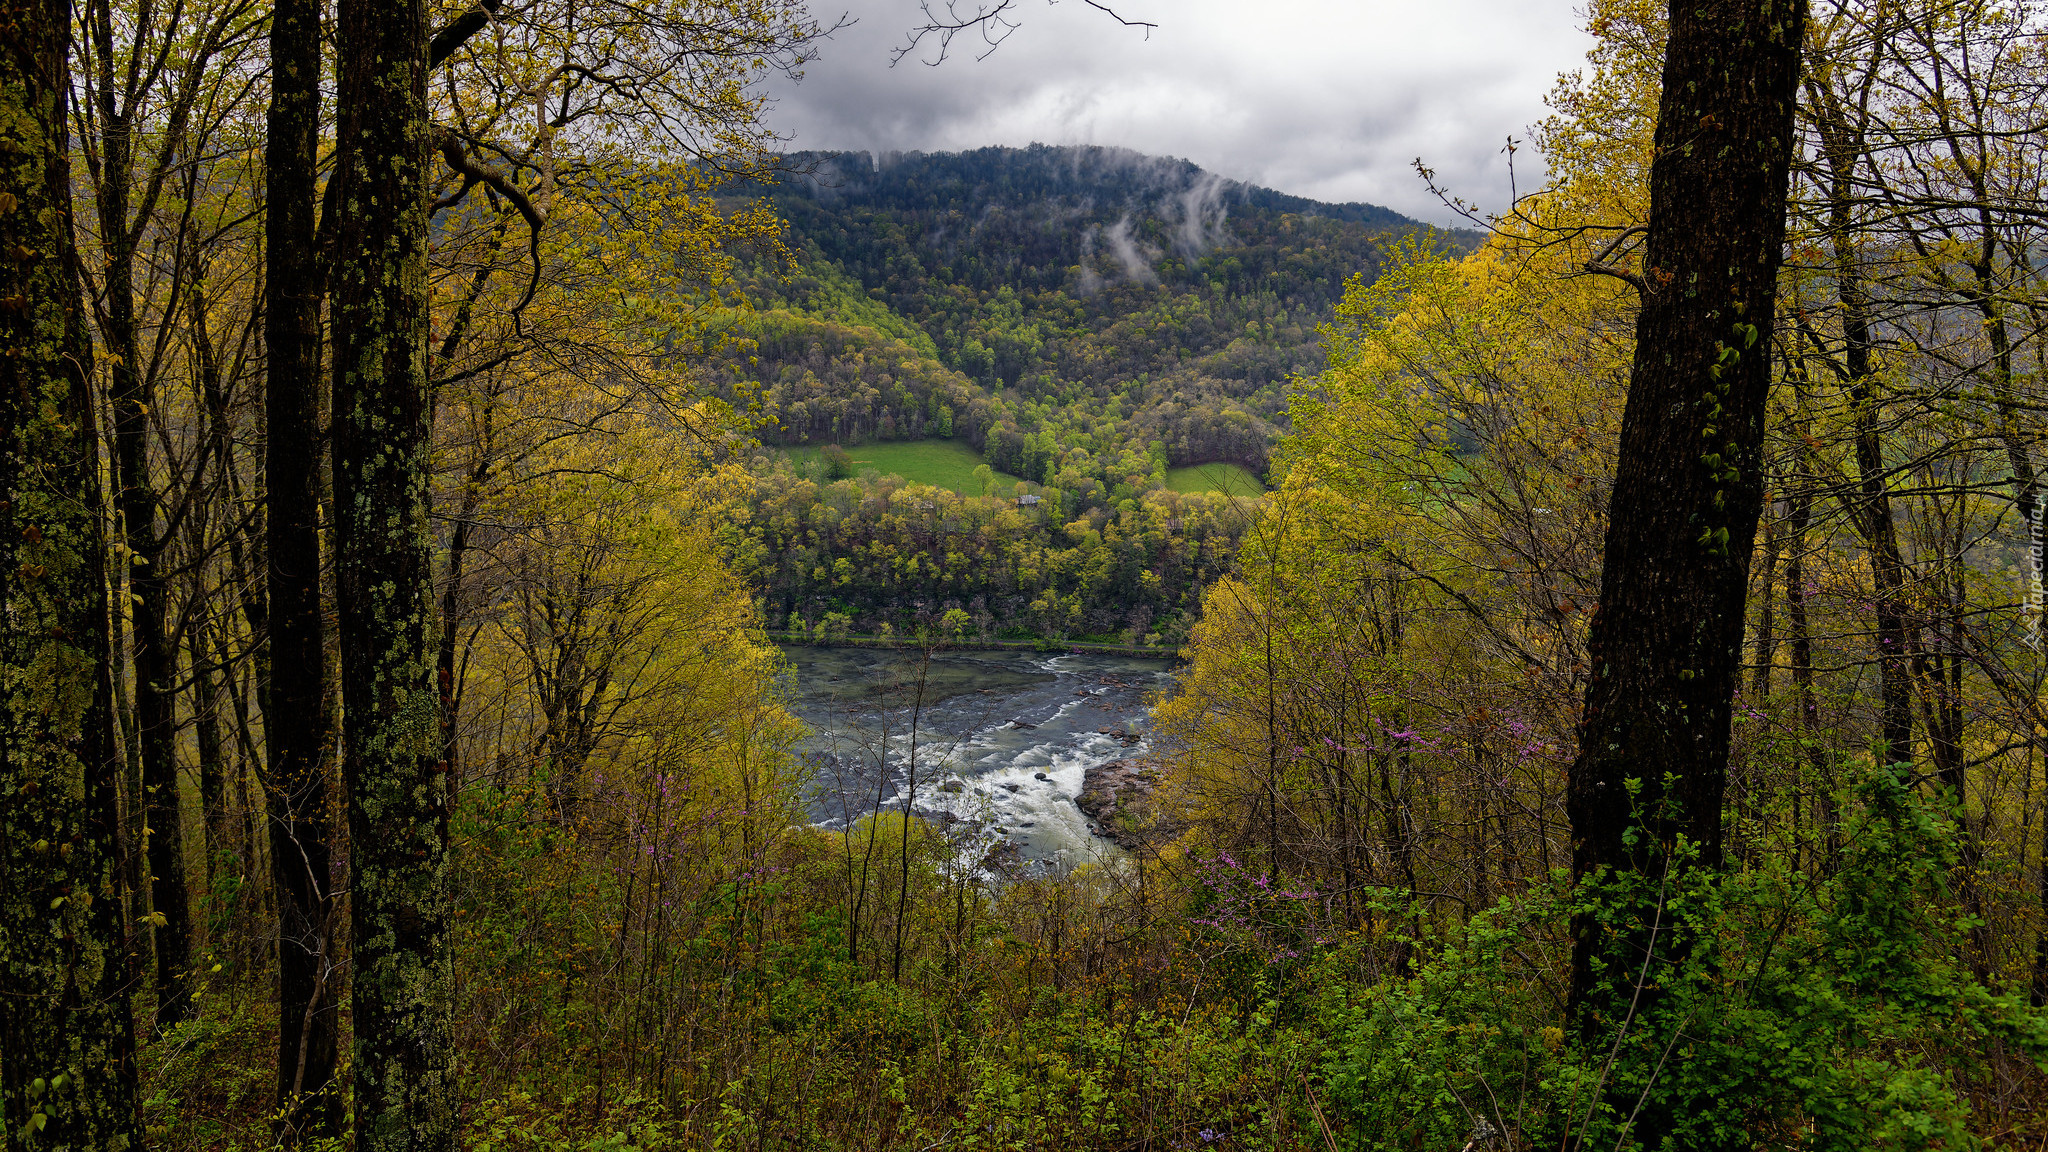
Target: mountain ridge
column 869, row 165
column 1084, row 316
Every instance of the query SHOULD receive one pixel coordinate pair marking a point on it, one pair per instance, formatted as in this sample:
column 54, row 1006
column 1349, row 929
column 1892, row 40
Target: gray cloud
column 1314, row 97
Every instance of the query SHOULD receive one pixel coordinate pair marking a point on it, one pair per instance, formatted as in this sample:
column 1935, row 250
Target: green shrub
column 1834, row 1014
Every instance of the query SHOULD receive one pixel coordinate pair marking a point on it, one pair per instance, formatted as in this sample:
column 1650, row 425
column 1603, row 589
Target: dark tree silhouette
column 67, row 1067
column 131, row 393
column 398, row 787
column 297, row 720
column 1665, row 648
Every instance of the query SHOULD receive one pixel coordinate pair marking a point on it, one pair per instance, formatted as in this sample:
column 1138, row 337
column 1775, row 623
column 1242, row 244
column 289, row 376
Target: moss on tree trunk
column 402, row 980
column 67, row 1069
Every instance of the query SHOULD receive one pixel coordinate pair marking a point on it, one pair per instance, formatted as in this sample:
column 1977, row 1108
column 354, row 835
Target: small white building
column 1026, row 500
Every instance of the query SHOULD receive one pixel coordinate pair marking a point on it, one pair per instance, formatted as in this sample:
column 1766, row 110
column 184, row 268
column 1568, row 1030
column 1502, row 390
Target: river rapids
column 1002, row 740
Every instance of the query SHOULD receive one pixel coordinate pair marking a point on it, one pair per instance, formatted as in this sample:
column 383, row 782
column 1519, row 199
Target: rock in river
column 1120, row 797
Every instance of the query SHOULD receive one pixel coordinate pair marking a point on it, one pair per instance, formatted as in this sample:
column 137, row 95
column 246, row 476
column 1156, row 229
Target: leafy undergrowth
column 1830, row 1019
column 209, row 1083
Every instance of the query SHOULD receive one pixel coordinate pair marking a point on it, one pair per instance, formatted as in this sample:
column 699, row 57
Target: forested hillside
column 1085, row 318
column 879, row 557
column 503, row 577
column 1090, row 303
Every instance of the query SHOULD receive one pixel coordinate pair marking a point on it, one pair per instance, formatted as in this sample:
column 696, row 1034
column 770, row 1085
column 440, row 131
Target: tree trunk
column 1767, row 619
column 1820, row 784
column 1842, row 148
column 1897, row 647
column 398, row 787
column 447, row 676
column 298, row 791
column 64, row 1018
column 155, row 660
column 207, row 743
column 910, row 807
column 1665, row 648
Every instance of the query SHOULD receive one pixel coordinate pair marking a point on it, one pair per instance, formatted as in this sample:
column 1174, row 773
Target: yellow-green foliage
column 867, row 548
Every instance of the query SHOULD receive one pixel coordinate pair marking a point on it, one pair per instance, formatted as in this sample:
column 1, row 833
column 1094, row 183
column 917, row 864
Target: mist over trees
column 1616, row 721
column 1057, row 281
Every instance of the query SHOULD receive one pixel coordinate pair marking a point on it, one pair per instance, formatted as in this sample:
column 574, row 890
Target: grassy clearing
column 1232, row 479
column 943, row 463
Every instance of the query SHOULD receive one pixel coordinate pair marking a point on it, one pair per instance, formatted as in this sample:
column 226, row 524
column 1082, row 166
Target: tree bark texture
column 67, row 1068
column 309, row 980
column 1665, row 647
column 397, row 781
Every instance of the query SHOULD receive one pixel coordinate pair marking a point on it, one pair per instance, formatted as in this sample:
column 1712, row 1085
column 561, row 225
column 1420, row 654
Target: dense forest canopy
column 1085, row 318
column 1065, row 285
column 1600, row 705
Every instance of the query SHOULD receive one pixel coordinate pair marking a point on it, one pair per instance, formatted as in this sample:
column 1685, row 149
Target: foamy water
column 990, row 723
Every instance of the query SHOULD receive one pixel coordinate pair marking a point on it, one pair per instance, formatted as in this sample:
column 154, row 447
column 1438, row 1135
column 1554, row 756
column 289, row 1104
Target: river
column 1003, row 739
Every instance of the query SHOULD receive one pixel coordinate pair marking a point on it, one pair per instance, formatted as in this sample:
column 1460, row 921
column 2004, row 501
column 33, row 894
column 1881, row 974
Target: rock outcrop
column 1121, row 801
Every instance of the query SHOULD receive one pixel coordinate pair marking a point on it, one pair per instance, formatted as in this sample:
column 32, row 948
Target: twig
column 1316, row 1110
column 475, row 173
column 992, row 21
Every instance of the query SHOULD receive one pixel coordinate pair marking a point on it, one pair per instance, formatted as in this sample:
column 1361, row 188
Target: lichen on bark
column 402, row 981
column 67, row 1072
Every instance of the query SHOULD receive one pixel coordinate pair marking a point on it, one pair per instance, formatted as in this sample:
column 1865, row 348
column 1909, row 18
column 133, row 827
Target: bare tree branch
column 474, row 173
column 453, row 33
column 993, row 21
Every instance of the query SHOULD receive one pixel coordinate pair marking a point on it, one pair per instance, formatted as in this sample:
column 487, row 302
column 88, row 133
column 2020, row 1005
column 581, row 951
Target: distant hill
column 1110, row 179
column 1077, row 219
column 1082, row 315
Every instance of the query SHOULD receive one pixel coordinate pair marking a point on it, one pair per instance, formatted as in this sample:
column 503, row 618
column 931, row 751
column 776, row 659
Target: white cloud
column 1314, row 97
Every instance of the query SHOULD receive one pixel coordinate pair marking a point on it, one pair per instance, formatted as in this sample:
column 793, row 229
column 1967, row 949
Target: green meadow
column 1231, row 479
column 942, row 463
column 951, row 464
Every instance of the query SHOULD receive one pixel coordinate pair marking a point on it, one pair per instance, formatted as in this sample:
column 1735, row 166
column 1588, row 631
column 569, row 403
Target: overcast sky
column 1322, row 98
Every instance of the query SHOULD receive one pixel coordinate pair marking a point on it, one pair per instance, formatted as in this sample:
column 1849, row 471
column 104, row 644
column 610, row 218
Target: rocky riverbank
column 1121, row 801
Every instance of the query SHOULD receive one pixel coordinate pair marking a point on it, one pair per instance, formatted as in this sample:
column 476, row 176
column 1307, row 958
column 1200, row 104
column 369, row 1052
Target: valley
column 537, row 620
column 1113, row 337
